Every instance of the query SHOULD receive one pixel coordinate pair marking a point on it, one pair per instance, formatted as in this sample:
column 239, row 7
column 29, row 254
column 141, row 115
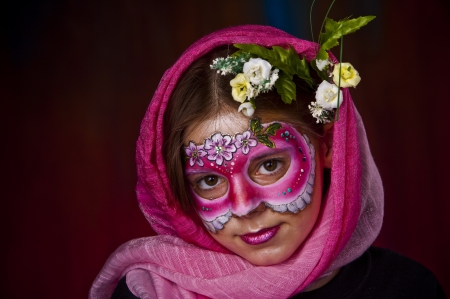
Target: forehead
column 227, row 123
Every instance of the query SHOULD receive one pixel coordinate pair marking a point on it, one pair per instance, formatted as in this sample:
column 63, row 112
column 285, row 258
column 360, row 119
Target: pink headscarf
column 184, row 261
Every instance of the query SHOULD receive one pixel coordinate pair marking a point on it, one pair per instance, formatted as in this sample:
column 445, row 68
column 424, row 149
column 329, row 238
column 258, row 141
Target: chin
column 268, row 258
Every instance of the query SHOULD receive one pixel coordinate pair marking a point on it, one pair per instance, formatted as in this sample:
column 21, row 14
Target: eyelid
column 257, row 162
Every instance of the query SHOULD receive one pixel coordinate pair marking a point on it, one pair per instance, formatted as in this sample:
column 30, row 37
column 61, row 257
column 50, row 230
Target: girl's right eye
column 211, row 186
column 209, row 181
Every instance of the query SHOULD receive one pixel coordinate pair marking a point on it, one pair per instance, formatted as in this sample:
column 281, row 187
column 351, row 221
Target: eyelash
column 279, row 162
column 201, row 180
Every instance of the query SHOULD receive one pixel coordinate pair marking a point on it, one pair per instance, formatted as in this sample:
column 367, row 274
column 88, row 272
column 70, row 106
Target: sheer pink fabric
column 185, row 262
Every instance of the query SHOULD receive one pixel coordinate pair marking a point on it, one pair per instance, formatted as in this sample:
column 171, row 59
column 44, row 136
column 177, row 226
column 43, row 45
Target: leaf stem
column 336, row 116
column 310, row 20
column 323, row 23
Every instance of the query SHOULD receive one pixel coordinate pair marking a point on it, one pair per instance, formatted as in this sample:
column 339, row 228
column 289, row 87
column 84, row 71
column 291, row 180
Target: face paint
column 270, row 163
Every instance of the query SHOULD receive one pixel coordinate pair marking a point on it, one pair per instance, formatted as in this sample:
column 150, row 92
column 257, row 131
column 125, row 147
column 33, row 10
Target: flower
column 318, row 113
column 273, row 78
column 240, row 87
column 244, row 142
column 247, row 109
column 257, row 70
column 327, row 95
column 219, row 147
column 195, row 153
column 349, row 76
column 321, row 64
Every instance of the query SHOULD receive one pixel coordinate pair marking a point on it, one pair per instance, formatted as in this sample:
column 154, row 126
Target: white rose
column 257, row 70
column 327, row 95
column 247, row 109
column 322, row 63
column 349, row 76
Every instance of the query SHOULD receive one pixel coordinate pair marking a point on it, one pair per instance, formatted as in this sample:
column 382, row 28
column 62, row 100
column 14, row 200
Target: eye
column 271, row 169
column 209, row 186
column 268, row 166
column 209, row 181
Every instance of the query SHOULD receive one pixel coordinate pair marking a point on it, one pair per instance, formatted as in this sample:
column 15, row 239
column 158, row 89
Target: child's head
column 192, row 103
column 258, row 201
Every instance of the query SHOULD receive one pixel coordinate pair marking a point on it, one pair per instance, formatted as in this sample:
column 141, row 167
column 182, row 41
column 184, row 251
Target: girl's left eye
column 268, row 166
column 270, row 170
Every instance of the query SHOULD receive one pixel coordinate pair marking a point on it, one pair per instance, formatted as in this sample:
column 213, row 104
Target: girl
column 272, row 202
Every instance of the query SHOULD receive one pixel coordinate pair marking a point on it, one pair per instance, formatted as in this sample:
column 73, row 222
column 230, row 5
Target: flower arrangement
column 258, row 69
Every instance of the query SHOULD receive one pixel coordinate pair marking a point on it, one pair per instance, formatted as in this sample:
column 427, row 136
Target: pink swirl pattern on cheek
column 291, row 193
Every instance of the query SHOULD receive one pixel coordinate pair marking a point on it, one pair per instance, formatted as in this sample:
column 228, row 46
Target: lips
column 260, row 236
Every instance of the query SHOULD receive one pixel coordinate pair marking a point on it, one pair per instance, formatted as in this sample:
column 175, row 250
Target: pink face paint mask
column 271, row 163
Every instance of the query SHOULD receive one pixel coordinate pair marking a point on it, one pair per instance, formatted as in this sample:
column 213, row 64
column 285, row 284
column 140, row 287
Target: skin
column 294, row 228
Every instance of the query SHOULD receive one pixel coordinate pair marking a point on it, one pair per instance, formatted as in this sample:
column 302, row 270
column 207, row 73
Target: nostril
column 260, row 208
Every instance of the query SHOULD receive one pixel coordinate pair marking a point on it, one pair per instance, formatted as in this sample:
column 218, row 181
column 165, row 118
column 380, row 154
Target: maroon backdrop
column 77, row 77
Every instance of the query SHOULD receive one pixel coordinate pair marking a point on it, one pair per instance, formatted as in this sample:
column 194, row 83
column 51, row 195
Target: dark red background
column 77, row 77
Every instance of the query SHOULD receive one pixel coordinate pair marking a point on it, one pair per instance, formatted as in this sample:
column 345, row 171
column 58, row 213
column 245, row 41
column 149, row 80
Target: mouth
column 260, row 236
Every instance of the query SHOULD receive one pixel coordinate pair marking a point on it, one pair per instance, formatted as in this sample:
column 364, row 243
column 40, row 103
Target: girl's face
column 257, row 190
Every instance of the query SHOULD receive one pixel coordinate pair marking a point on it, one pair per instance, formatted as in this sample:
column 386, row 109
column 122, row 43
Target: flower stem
column 336, row 116
column 310, row 20
column 323, row 23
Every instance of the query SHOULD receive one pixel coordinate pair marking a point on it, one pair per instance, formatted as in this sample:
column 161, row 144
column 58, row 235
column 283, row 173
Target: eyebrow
column 270, row 152
column 196, row 171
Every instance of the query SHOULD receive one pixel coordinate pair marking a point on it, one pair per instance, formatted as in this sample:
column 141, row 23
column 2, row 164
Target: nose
column 243, row 199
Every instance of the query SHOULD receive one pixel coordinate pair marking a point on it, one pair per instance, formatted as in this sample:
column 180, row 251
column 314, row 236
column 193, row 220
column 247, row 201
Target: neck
column 322, row 281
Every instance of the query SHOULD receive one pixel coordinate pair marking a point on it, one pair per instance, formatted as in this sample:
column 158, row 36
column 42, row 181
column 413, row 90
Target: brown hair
column 203, row 94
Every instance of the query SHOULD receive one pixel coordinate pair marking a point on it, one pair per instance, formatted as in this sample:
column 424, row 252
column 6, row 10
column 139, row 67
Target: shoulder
column 392, row 275
column 402, row 270
column 121, row 291
column 380, row 273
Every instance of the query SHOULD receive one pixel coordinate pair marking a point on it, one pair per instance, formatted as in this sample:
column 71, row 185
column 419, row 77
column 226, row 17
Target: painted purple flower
column 219, row 147
column 244, row 142
column 195, row 153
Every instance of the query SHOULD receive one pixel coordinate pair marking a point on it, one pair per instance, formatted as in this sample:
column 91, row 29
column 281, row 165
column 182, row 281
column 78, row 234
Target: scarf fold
column 184, row 261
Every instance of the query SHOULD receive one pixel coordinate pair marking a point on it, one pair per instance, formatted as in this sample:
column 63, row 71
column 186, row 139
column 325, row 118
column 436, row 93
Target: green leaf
column 285, row 87
column 264, row 139
column 286, row 60
column 272, row 128
column 252, row 101
column 334, row 30
column 255, row 126
column 237, row 53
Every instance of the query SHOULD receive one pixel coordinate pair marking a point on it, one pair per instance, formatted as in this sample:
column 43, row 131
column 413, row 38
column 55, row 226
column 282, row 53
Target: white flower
column 322, row 63
column 240, row 87
column 327, row 95
column 257, row 70
column 247, row 109
column 349, row 76
column 318, row 112
column 252, row 92
column 273, row 79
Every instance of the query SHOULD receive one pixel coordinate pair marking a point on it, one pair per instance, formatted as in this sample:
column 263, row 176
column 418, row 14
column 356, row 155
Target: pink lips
column 261, row 236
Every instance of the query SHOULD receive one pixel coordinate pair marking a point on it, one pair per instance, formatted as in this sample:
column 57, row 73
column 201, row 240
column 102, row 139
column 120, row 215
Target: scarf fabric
column 184, row 261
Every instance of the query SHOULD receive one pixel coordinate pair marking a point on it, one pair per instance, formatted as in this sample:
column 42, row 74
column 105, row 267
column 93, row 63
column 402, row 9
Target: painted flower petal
column 230, row 148
column 200, row 162
column 252, row 142
column 217, row 139
column 208, row 144
column 227, row 155
column 245, row 149
column 219, row 160
column 246, row 134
